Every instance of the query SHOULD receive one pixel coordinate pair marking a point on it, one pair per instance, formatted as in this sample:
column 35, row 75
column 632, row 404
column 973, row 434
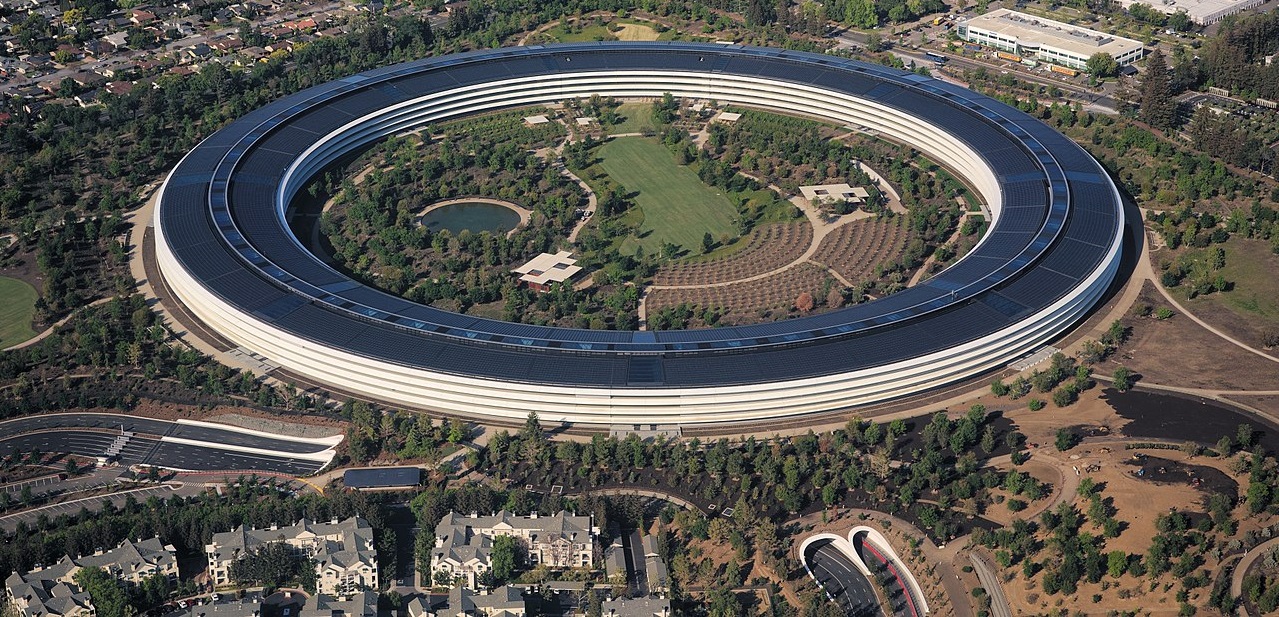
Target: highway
column 842, row 581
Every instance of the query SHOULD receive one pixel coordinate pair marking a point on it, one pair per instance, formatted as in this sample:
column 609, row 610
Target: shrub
column 1035, row 404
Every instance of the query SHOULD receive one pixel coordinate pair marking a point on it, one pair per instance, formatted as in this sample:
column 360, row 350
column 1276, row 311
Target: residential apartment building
column 1032, row 37
column 360, row 604
column 463, row 544
column 505, row 601
column 344, row 554
column 52, row 590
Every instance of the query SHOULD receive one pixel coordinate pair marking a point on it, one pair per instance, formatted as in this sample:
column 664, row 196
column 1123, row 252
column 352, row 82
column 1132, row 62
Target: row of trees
column 849, row 464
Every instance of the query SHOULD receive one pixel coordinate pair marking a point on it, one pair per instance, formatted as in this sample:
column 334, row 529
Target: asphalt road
column 78, row 442
column 1103, row 99
column 200, row 458
column 842, row 581
column 150, row 426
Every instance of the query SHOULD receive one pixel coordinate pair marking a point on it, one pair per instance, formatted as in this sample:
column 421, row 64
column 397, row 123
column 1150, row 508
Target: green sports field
column 17, row 308
column 677, row 206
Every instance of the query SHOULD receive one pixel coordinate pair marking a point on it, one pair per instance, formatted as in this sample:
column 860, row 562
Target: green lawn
column 637, row 118
column 574, row 34
column 677, row 207
column 1251, row 266
column 17, row 308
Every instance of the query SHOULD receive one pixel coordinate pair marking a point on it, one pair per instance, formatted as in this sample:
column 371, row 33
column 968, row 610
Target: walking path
column 1241, row 570
column 942, row 558
column 524, row 213
column 1147, row 270
column 821, row 228
column 990, row 582
column 58, row 324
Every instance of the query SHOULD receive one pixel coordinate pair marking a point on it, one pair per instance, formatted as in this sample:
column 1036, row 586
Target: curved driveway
column 842, row 581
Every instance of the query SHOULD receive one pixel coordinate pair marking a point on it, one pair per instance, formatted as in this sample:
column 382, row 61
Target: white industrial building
column 1051, row 41
column 1202, row 12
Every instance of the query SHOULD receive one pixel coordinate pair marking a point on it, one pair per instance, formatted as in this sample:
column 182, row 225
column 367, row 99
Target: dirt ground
column 1153, row 342
column 244, row 417
column 1166, row 485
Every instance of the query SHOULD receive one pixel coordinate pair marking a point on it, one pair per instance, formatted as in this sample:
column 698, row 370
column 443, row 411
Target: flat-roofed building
column 382, row 478
column 637, row 607
column 1051, row 41
column 1202, row 12
column 545, row 270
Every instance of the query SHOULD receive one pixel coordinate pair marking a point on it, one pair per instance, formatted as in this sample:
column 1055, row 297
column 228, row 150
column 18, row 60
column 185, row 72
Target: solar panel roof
column 220, row 214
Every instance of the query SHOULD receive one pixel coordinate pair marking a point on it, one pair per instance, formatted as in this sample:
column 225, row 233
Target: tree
column 104, row 590
column 759, row 12
column 1065, row 439
column 1258, row 497
column 271, row 565
column 861, row 14
column 505, row 558
column 1244, row 436
column 708, row 242
column 1102, row 64
column 874, row 42
column 1116, row 563
column 1158, row 108
column 804, row 303
column 1122, row 379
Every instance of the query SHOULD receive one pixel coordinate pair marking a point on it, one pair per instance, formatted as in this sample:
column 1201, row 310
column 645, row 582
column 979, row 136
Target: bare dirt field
column 1203, row 360
column 244, row 417
column 1168, row 483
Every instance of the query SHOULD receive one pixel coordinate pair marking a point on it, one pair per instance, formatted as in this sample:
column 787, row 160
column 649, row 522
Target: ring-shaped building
column 226, row 251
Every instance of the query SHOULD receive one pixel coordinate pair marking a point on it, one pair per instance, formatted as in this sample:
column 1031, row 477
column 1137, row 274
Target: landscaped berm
column 17, row 308
column 677, row 206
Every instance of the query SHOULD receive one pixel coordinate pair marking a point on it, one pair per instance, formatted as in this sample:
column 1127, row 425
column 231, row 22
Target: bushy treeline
column 944, row 467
